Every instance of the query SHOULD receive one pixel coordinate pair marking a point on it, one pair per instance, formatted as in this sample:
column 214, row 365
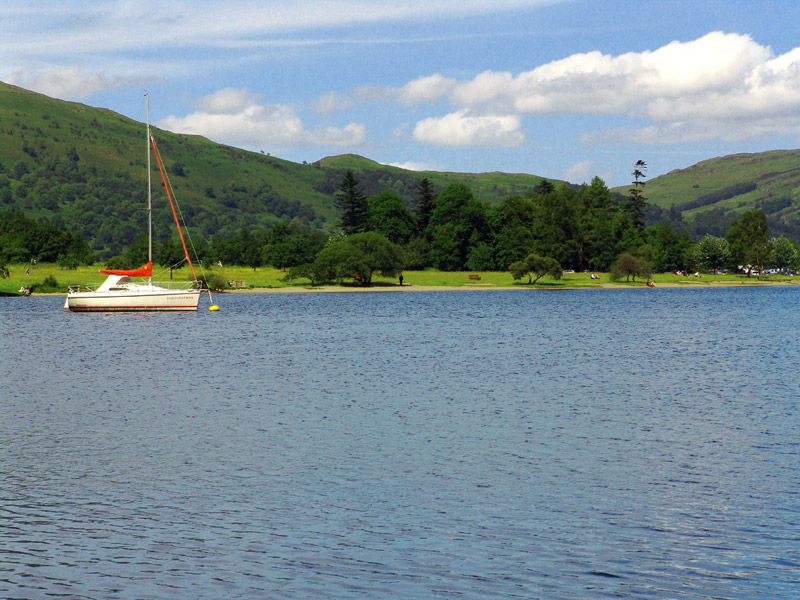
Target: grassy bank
column 267, row 278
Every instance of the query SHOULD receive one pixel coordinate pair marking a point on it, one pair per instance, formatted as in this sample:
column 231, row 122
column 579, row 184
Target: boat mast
column 149, row 190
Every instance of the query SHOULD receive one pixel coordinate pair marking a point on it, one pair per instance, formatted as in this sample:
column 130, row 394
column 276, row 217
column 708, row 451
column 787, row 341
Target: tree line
column 544, row 231
column 541, row 232
column 24, row 240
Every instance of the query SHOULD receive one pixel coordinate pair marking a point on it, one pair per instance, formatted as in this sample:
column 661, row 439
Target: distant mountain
column 714, row 192
column 84, row 169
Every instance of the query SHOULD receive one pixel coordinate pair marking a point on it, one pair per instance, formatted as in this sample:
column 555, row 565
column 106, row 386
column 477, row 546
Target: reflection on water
column 482, row 444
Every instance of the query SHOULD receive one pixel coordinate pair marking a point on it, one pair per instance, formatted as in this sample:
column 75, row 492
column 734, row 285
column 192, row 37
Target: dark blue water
column 517, row 444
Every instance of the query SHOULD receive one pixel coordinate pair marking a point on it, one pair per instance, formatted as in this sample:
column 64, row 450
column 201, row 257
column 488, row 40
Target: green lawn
column 271, row 278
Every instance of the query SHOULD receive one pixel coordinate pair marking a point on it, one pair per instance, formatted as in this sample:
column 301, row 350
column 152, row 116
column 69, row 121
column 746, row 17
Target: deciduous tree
column 713, row 252
column 783, row 253
column 389, row 217
column 748, row 241
column 169, row 254
column 627, row 265
column 358, row 257
column 536, row 267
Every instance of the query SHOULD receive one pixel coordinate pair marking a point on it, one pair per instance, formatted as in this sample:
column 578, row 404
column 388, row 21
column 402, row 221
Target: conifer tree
column 353, row 204
column 425, row 199
column 636, row 200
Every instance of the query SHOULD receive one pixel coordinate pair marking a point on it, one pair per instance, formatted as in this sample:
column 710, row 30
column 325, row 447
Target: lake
column 487, row 444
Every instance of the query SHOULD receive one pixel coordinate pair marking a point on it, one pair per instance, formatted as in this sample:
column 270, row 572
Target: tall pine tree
column 636, row 200
column 353, row 204
column 425, row 199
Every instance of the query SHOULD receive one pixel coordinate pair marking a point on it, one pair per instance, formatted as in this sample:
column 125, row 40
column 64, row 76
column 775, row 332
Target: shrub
column 48, row 286
column 213, row 282
column 118, row 262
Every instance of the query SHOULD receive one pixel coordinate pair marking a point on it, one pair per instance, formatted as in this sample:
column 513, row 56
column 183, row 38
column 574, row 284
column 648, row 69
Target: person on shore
column 401, row 279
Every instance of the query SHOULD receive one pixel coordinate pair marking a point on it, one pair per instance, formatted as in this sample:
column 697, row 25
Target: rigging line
column 172, row 206
column 171, row 194
column 183, row 220
column 188, row 233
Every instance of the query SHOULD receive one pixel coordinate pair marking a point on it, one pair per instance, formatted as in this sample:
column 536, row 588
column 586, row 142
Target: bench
column 474, row 276
column 237, row 284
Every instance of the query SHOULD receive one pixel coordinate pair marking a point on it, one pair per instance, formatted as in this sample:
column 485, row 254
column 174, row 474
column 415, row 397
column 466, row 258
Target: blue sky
column 567, row 89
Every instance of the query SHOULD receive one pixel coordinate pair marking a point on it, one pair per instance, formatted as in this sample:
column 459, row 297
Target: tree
column 691, row 258
column 544, row 187
column 457, row 224
column 254, row 256
column 377, row 255
column 748, row 241
column 67, row 262
column 627, row 265
column 596, row 231
column 389, row 217
column 138, row 251
column 417, row 253
column 356, row 256
column 309, row 271
column 512, row 222
column 713, row 252
column 352, row 202
column 783, row 253
column 425, row 200
column 169, row 254
column 636, row 200
column 669, row 247
column 536, row 267
column 555, row 227
column 480, row 258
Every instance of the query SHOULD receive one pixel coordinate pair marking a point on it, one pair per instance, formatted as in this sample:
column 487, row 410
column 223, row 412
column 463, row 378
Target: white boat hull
column 156, row 300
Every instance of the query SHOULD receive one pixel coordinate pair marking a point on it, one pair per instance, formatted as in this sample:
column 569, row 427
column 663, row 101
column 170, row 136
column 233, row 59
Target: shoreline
column 330, row 289
column 407, row 288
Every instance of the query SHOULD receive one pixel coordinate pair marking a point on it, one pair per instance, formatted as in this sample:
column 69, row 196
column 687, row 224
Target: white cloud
column 74, row 26
column 717, row 64
column 238, row 118
column 415, row 166
column 720, row 86
column 485, row 87
column 462, row 129
column 353, row 134
column 69, row 83
column 331, row 102
column 426, row 89
column 229, row 101
column 581, row 171
column 45, row 43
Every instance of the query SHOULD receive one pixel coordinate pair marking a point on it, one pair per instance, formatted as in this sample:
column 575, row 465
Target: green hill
column 716, row 191
column 489, row 187
column 84, row 169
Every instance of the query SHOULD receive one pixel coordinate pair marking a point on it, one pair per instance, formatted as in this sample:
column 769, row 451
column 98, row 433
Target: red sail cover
column 145, row 271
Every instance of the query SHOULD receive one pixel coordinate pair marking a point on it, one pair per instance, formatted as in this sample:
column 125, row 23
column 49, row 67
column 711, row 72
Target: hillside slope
column 720, row 189
column 84, row 168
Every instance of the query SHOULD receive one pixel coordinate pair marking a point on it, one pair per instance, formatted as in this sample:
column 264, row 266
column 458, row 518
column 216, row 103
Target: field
column 264, row 279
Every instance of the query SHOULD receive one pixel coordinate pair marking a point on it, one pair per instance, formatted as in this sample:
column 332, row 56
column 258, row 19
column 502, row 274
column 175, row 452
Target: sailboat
column 119, row 292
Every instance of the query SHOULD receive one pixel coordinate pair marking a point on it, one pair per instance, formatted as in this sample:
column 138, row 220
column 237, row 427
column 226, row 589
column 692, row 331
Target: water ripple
column 475, row 445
